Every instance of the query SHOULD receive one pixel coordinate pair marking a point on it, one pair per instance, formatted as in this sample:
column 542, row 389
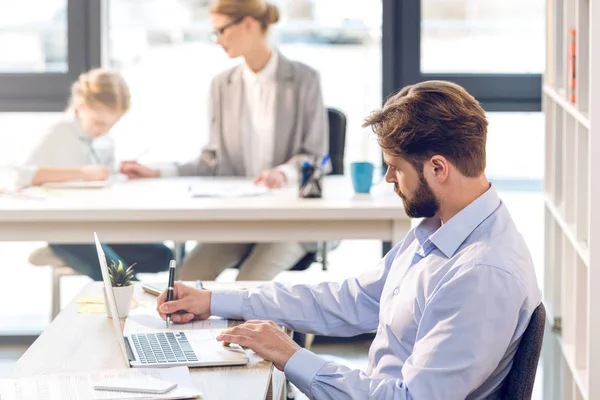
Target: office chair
column 520, row 379
column 337, row 144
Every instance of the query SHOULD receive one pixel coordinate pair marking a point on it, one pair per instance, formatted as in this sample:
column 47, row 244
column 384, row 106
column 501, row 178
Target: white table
column 146, row 211
column 76, row 342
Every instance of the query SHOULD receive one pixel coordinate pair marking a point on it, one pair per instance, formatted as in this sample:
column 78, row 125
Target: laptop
column 169, row 348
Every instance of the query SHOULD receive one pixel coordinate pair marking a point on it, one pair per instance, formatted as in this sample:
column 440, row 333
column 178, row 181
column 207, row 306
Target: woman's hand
column 271, row 178
column 134, row 170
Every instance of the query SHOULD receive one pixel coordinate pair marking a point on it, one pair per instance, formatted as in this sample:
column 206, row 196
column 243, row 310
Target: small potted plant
column 121, row 279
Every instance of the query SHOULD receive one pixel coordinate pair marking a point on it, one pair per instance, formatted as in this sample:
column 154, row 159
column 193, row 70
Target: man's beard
column 423, row 203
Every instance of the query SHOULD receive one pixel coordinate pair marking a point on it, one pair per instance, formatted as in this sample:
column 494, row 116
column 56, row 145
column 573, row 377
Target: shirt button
column 396, row 291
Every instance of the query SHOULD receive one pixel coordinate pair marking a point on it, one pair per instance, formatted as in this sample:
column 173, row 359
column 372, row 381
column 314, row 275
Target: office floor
column 351, row 258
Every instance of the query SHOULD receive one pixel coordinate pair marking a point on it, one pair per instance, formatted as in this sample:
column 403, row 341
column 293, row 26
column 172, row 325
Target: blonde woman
column 78, row 147
column 266, row 117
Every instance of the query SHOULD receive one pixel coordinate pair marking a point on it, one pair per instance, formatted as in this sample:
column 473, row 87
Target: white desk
column 87, row 342
column 161, row 209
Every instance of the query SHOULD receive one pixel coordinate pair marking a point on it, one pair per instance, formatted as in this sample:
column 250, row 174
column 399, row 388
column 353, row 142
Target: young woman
column 266, row 117
column 78, row 147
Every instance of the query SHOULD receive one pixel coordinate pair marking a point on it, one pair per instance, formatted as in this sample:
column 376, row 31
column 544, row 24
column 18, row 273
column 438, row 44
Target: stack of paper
column 76, row 386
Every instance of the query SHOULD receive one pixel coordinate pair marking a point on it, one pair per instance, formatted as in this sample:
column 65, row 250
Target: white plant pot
column 123, row 297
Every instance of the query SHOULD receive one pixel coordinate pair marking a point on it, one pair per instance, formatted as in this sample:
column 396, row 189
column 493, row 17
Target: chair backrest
column 337, row 140
column 520, row 379
column 337, row 144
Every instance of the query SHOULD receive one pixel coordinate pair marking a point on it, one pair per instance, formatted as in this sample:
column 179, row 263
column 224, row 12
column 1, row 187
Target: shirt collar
column 268, row 73
column 81, row 134
column 449, row 236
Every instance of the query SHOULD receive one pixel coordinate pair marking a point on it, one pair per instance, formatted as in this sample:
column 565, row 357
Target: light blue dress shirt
column 449, row 304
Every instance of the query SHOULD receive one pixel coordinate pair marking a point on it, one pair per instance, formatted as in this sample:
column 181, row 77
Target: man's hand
column 94, row 172
column 188, row 304
column 265, row 338
column 134, row 170
column 271, row 178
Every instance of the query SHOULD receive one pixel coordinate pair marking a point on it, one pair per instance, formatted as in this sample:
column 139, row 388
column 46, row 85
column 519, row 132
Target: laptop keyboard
column 163, row 347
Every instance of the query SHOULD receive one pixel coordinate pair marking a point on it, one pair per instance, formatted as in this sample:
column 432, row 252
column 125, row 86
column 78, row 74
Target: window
column 515, row 150
column 482, row 36
column 164, row 51
column 44, row 46
column 33, row 36
column 414, row 51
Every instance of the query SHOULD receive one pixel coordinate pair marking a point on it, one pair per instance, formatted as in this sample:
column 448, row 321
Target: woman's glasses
column 219, row 31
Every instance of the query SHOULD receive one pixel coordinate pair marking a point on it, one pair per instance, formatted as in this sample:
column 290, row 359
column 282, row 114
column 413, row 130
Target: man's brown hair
column 429, row 118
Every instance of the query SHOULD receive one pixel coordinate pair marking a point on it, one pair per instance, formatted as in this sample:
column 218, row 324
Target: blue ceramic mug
column 362, row 176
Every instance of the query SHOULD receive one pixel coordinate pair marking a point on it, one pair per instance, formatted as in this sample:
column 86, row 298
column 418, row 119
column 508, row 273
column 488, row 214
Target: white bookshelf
column 571, row 354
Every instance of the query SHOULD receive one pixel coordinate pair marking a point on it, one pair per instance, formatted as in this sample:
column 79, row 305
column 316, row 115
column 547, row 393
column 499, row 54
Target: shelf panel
column 570, row 108
column 582, row 56
column 580, row 376
column 582, row 183
column 569, row 165
column 569, row 230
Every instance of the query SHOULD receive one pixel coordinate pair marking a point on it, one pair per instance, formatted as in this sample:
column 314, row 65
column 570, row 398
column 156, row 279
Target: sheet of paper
column 91, row 309
column 232, row 190
column 91, row 300
column 75, row 386
column 95, row 305
column 143, row 320
column 20, row 194
column 79, row 184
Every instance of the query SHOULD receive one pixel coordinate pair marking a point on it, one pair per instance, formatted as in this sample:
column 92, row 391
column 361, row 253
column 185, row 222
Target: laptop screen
column 110, row 298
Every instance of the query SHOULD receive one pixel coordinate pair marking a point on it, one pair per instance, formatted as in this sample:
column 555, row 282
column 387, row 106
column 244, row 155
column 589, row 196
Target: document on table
column 76, row 386
column 142, row 320
column 231, row 190
column 82, row 184
column 78, row 184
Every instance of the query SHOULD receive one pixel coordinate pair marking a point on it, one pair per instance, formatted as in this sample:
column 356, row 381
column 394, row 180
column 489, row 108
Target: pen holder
column 311, row 183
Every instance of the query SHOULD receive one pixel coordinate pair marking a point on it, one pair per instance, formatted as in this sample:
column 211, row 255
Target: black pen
column 171, row 286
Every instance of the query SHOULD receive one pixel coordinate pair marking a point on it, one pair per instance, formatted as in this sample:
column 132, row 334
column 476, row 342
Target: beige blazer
column 301, row 125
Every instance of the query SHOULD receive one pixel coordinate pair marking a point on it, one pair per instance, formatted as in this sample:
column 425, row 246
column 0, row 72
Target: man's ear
column 440, row 167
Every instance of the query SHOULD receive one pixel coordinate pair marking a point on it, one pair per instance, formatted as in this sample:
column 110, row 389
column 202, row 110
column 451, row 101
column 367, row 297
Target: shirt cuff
column 302, row 368
column 25, row 175
column 168, row 171
column 227, row 303
column 290, row 172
